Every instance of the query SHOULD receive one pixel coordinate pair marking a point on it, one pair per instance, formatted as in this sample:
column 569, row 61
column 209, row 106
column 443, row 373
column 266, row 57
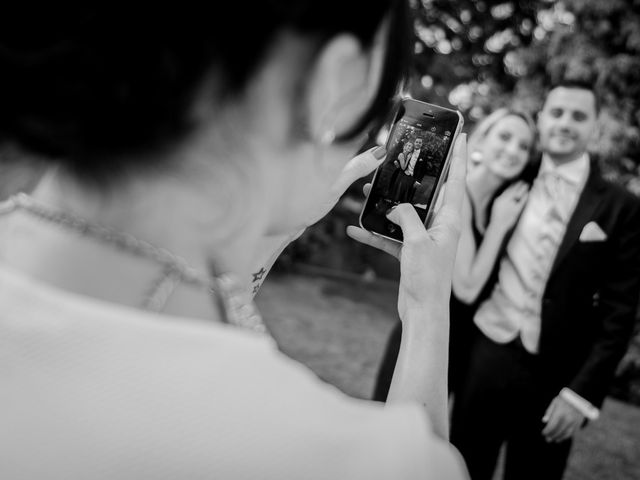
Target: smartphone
column 418, row 156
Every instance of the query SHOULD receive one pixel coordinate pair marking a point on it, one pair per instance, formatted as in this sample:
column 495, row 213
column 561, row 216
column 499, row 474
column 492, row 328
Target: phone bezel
column 424, row 108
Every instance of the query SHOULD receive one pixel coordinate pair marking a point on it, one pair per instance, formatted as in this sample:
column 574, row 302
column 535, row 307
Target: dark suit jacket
column 589, row 302
column 591, row 297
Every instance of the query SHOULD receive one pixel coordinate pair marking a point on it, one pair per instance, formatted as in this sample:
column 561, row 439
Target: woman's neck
column 164, row 213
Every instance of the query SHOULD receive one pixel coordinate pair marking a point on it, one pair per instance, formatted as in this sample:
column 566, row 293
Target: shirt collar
column 573, row 172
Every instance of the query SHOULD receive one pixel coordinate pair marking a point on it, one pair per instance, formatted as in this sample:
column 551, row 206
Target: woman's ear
column 341, row 85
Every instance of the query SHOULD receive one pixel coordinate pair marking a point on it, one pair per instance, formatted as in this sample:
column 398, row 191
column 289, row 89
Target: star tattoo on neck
column 258, row 275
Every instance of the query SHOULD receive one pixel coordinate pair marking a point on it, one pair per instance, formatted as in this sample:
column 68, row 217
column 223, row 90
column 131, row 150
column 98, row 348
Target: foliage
column 483, row 54
column 479, row 55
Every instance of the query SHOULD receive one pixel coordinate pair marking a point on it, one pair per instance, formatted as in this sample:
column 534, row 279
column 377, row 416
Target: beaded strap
column 237, row 305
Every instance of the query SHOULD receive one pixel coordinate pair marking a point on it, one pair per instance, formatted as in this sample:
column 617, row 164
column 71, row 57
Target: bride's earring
column 476, row 157
column 328, row 137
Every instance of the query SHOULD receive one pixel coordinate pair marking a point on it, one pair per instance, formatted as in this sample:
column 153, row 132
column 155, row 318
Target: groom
column 558, row 319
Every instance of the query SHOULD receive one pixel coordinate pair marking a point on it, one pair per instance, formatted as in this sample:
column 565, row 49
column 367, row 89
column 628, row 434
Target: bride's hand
column 426, row 256
column 508, row 206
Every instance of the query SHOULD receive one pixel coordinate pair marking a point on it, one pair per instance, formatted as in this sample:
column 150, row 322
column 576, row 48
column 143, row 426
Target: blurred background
column 479, row 55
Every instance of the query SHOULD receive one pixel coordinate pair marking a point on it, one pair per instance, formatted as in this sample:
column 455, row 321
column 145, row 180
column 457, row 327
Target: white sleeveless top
column 92, row 390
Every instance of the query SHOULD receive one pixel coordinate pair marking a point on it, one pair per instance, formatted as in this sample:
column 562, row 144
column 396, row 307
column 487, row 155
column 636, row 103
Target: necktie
column 557, row 189
column 552, row 183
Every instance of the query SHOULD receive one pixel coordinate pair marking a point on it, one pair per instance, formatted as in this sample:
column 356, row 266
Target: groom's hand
column 563, row 421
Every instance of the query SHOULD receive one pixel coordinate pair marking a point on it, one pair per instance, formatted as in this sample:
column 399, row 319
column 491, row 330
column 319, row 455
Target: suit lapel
column 590, row 198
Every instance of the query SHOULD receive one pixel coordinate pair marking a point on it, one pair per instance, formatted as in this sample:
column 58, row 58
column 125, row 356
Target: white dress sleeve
column 92, row 390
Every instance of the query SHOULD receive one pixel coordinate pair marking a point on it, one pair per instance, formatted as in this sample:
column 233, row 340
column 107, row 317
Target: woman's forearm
column 487, row 256
column 473, row 267
column 263, row 260
column 421, row 370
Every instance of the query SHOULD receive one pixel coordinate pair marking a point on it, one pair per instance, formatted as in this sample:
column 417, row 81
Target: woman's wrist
column 435, row 302
column 497, row 227
column 421, row 321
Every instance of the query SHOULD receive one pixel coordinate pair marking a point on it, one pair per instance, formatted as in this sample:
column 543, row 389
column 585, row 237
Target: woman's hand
column 272, row 246
column 426, row 256
column 358, row 167
column 426, row 266
column 508, row 206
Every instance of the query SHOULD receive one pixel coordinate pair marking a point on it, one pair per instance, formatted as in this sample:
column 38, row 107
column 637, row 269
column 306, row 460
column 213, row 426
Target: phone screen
column 417, row 151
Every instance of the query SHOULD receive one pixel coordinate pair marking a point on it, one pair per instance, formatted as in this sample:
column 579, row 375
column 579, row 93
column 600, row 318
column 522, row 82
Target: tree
column 480, row 55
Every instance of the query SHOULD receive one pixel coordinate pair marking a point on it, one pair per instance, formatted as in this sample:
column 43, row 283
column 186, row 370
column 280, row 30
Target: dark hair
column 107, row 82
column 577, row 84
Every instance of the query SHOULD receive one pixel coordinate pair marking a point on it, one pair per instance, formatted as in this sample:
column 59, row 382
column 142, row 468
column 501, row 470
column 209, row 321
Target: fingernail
column 379, row 152
column 391, row 209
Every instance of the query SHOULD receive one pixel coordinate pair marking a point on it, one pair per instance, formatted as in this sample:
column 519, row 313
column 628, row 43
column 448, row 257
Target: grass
column 339, row 329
